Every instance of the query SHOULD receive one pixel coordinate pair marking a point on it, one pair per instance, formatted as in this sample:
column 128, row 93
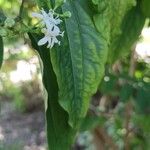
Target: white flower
column 50, row 29
column 50, row 37
column 48, row 19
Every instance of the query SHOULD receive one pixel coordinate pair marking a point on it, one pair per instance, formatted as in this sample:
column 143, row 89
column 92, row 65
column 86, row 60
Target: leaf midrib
column 81, row 39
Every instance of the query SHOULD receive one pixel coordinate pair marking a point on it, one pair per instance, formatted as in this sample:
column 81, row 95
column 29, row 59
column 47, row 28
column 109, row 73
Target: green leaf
column 108, row 85
column 60, row 134
column 126, row 92
column 143, row 98
column 79, row 61
column 1, row 51
column 131, row 27
column 44, row 4
column 120, row 23
column 145, row 7
column 109, row 17
column 117, row 11
column 91, row 122
column 143, row 121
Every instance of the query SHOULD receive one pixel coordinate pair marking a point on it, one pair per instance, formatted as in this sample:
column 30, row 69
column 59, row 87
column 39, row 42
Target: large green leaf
column 109, row 16
column 114, row 19
column 60, row 134
column 79, row 61
column 122, row 21
column 1, row 51
column 117, row 10
column 130, row 29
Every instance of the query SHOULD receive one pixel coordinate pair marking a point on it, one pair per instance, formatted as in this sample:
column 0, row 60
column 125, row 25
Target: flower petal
column 62, row 34
column 43, row 41
column 55, row 31
column 48, row 25
column 37, row 15
column 49, row 43
column 57, row 21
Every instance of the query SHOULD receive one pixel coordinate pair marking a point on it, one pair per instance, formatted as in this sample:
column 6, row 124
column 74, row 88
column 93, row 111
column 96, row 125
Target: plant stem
column 101, row 138
column 19, row 17
column 21, row 8
column 128, row 111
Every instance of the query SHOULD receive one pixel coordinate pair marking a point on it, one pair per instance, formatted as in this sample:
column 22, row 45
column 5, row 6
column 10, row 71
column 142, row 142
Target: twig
column 128, row 111
column 101, row 139
column 18, row 18
column 99, row 113
column 132, row 64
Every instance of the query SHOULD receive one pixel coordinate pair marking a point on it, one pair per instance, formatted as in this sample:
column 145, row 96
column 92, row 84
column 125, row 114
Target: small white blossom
column 50, row 29
column 47, row 19
column 50, row 37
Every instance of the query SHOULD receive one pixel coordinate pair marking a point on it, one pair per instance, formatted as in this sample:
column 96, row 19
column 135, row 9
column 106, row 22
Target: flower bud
column 66, row 14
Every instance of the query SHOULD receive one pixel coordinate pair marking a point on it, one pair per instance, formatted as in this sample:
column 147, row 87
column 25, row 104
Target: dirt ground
column 21, row 131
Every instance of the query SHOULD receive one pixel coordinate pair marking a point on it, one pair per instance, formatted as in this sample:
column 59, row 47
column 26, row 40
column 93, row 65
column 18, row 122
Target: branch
column 101, row 139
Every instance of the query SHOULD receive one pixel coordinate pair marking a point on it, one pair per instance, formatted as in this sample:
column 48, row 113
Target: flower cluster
column 49, row 22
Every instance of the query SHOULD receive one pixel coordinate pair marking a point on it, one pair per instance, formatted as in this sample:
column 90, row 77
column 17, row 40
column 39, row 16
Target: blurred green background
column 118, row 117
